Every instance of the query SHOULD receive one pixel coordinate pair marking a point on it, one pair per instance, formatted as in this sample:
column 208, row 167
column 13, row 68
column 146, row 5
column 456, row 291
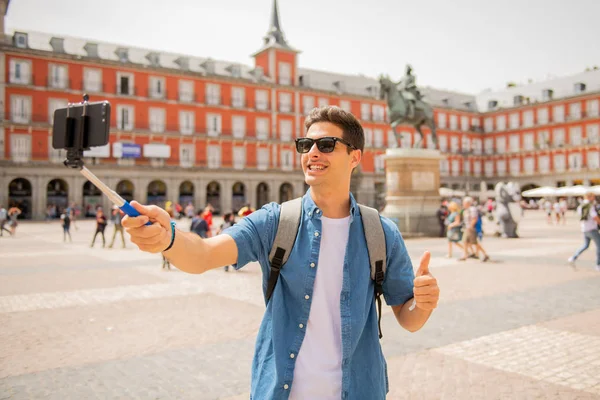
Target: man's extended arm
column 189, row 253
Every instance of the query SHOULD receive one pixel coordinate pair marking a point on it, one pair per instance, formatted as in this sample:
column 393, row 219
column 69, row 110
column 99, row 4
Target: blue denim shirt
column 364, row 369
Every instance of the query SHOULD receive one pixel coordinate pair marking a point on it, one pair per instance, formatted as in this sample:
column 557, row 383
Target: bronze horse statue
column 399, row 113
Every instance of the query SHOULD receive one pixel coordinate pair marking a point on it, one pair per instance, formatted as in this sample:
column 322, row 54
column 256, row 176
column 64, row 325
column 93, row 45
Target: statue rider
column 411, row 92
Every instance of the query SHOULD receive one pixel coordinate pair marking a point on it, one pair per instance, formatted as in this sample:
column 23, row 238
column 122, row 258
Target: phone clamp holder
column 76, row 136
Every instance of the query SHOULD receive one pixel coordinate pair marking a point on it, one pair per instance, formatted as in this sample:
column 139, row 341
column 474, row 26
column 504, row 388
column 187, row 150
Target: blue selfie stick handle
column 132, row 212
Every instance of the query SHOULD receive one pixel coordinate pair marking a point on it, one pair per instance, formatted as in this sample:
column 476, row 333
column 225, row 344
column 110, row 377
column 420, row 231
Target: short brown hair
column 351, row 128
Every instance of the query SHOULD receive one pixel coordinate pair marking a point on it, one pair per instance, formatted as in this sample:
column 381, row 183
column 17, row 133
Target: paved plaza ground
column 81, row 323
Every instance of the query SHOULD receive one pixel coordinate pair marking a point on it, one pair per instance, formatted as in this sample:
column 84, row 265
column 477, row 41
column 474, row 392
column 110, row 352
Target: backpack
column 289, row 221
column 585, row 211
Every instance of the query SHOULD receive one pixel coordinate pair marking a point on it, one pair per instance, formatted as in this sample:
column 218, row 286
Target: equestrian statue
column 406, row 106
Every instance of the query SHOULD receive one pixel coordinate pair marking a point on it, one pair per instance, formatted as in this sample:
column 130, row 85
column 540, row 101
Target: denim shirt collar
column 311, row 209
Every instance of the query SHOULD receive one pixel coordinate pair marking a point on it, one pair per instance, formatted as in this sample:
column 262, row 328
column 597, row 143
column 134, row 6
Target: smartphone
column 97, row 129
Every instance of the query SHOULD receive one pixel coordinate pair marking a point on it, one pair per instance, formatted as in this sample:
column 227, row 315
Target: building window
column 391, row 140
column 405, row 141
column 592, row 133
column 528, row 118
column 593, row 108
column 239, row 157
column 365, row 112
column 56, row 156
column 285, row 102
column 53, row 105
column 186, row 122
column 287, row 160
column 529, row 141
column 515, row 166
column 543, row 139
column 20, row 72
column 454, row 144
column 20, row 109
column 262, row 100
column 489, row 146
column 542, row 116
column 514, row 121
column 285, row 73
column 262, row 159
column 345, row 105
column 378, row 113
column 455, row 168
column 323, row 102
column 559, row 163
column 501, row 145
column 213, row 94
column 575, row 111
column 477, row 168
column 58, row 76
column 20, row 147
column 593, row 160
column 378, row 137
column 157, row 119
column 157, row 87
column 262, row 128
column 444, row 167
column 238, row 123
column 488, row 125
column 558, row 113
column 575, row 136
column 453, row 122
column 529, row 165
column 544, row 164
column 501, row 167
column 308, row 103
column 464, row 123
column 380, row 163
column 125, row 117
column 515, row 143
column 558, row 137
column 369, row 137
column 443, row 143
column 501, row 122
column 489, row 168
column 186, row 91
column 238, row 97
column 285, row 130
column 213, row 156
column 441, row 120
column 575, row 161
column 92, row 80
column 477, row 146
column 187, row 155
column 213, row 126
column 125, row 84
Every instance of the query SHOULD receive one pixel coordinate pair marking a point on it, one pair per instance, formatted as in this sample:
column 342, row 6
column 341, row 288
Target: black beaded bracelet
column 172, row 236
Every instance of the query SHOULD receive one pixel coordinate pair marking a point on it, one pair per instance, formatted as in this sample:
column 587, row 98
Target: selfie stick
column 75, row 159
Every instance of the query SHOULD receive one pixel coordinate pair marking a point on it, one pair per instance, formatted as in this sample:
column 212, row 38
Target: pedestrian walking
column 100, row 226
column 65, row 220
column 319, row 337
column 3, row 221
column 589, row 222
column 13, row 214
column 116, row 218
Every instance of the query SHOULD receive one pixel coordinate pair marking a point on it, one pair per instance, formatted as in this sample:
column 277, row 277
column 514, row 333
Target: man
column 470, row 216
column 117, row 218
column 589, row 220
column 319, row 335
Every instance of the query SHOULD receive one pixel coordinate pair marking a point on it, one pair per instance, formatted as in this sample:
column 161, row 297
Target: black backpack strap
column 287, row 230
column 377, row 252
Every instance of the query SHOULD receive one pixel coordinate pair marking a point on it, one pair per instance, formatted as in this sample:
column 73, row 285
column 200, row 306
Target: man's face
column 328, row 168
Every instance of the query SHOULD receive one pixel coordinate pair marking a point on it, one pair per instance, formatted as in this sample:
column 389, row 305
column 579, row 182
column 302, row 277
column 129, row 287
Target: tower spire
column 275, row 34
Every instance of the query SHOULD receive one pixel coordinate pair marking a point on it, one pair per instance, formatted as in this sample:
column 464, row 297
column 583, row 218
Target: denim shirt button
column 312, row 265
column 316, row 233
column 286, row 386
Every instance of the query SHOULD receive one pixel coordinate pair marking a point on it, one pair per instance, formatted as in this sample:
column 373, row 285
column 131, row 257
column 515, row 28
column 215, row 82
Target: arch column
column 199, row 193
column 251, row 187
column 39, row 201
column 226, row 194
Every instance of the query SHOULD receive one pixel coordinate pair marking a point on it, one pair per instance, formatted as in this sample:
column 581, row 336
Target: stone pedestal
column 412, row 198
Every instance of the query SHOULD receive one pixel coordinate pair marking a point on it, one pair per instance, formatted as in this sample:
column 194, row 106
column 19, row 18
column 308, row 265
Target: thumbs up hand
column 426, row 290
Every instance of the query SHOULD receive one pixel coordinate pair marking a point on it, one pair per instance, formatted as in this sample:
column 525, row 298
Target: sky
column 462, row 45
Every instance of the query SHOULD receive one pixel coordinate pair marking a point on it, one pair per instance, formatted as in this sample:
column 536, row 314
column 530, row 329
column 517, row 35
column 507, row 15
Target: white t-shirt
column 589, row 224
column 318, row 371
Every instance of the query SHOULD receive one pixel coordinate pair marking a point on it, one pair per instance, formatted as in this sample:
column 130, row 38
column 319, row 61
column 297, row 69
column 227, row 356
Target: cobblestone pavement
column 82, row 323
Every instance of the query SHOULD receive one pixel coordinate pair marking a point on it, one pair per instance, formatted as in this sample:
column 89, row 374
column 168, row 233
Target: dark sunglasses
column 324, row 144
